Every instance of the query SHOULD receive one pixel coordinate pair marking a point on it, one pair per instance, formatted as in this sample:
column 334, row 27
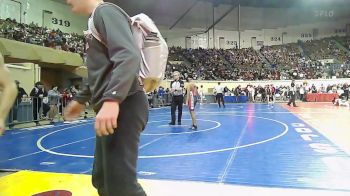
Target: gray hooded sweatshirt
column 112, row 69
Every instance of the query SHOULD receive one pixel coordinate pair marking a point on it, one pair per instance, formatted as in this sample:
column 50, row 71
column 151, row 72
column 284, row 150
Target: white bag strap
column 137, row 21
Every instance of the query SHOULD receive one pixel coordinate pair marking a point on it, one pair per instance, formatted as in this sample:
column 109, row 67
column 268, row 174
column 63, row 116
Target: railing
column 35, row 109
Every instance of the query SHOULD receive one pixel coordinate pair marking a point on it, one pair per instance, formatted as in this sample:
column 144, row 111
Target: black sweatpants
column 346, row 92
column 220, row 98
column 177, row 101
column 292, row 100
column 114, row 171
column 36, row 110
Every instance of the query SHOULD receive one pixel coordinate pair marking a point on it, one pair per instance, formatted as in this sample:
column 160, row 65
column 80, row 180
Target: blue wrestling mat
column 247, row 144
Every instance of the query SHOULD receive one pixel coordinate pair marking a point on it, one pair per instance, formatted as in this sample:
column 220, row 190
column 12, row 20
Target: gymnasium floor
column 244, row 149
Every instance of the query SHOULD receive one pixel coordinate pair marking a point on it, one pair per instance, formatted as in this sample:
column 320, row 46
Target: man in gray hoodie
column 117, row 97
column 54, row 99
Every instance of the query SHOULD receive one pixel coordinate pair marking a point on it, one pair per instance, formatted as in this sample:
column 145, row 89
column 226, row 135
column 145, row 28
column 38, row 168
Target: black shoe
column 52, row 123
column 179, row 123
column 194, row 127
column 171, row 123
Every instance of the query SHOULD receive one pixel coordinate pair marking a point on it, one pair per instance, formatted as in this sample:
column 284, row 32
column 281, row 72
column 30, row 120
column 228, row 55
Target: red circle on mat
column 54, row 193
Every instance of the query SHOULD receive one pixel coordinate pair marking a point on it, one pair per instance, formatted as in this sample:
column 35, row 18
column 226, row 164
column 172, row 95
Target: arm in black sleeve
column 44, row 93
column 125, row 57
column 22, row 92
column 182, row 84
column 171, row 87
column 32, row 93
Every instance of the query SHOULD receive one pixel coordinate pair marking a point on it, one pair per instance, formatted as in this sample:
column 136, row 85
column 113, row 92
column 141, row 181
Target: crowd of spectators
column 288, row 55
column 345, row 41
column 243, row 58
column 344, row 56
column 328, row 49
column 287, row 61
column 215, row 64
column 320, row 49
column 34, row 34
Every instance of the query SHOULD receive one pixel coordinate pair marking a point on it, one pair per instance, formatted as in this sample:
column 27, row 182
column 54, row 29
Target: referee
column 176, row 89
column 219, row 91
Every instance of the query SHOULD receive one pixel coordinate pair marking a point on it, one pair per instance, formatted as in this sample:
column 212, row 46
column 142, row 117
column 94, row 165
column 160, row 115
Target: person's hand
column 73, row 110
column 106, row 119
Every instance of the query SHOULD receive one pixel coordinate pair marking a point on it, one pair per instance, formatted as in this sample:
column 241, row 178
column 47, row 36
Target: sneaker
column 37, row 124
column 194, row 127
column 179, row 123
column 171, row 123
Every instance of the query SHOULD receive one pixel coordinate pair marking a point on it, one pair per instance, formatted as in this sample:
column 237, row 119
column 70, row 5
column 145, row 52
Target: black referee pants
column 292, row 100
column 219, row 99
column 176, row 102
